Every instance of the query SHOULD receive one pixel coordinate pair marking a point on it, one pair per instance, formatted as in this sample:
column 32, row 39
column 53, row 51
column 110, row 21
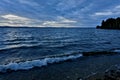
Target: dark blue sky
column 57, row 13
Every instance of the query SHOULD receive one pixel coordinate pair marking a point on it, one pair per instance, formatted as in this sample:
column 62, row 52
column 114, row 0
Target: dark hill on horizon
column 111, row 23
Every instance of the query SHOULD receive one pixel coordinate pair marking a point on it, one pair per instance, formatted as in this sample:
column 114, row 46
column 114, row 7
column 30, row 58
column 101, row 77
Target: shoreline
column 30, row 64
column 70, row 70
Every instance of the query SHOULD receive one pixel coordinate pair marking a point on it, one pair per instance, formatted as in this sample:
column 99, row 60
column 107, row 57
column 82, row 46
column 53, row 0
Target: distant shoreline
column 43, row 27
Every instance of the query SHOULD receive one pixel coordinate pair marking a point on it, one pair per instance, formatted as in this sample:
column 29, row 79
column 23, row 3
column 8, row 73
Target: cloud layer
column 57, row 13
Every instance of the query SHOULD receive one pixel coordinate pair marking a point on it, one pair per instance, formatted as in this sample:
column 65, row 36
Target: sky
column 57, row 13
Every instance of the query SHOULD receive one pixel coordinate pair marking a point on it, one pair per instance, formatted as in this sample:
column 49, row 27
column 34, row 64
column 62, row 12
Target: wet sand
column 69, row 70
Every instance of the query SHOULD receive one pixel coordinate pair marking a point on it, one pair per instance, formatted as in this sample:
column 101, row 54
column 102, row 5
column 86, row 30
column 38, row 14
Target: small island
column 111, row 23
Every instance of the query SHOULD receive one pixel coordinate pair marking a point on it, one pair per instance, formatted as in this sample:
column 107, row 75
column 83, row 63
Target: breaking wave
column 36, row 63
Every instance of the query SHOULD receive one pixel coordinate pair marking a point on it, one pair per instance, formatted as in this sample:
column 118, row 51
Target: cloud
column 28, row 2
column 15, row 20
column 55, row 24
column 64, row 5
column 103, row 13
column 60, row 22
column 117, row 7
column 65, row 20
column 57, row 12
column 14, row 17
column 109, row 12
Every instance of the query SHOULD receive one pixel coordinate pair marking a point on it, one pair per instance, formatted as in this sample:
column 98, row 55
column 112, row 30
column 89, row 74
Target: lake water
column 25, row 48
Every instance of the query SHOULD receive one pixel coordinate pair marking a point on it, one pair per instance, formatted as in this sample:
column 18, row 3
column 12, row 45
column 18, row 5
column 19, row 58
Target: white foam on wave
column 36, row 63
column 117, row 51
column 18, row 46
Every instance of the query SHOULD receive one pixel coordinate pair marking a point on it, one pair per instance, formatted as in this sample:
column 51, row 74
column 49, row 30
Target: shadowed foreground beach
column 81, row 68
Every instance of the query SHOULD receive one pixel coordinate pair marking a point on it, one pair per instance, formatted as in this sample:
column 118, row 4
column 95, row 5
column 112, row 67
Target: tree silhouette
column 110, row 23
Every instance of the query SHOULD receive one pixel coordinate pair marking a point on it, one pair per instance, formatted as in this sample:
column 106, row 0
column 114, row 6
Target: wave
column 117, row 50
column 19, row 39
column 29, row 46
column 36, row 63
column 23, row 46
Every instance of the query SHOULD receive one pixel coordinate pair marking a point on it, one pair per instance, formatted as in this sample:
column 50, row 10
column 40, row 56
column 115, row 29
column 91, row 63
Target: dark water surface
column 24, row 44
column 32, row 43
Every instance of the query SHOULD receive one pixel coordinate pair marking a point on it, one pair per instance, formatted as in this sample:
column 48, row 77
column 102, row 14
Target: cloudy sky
column 57, row 13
